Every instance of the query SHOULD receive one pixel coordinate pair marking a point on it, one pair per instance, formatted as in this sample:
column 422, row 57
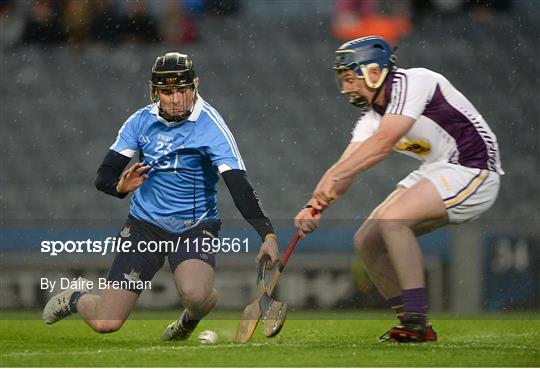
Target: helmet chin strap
column 173, row 118
column 362, row 101
column 377, row 92
column 359, row 102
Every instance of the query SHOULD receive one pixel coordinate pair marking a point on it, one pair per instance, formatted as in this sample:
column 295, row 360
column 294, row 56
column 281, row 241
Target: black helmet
column 172, row 70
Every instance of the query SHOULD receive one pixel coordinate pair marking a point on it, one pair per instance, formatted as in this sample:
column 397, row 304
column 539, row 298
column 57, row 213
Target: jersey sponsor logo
column 418, row 147
column 165, row 138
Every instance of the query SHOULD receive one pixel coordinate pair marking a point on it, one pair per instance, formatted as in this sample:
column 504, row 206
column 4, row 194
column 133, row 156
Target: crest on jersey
column 133, row 276
column 126, row 231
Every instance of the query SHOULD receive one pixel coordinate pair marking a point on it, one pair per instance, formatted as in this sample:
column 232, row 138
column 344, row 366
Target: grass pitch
column 344, row 339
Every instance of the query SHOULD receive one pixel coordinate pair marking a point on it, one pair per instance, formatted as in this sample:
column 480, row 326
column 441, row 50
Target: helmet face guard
column 360, row 56
column 360, row 101
column 171, row 73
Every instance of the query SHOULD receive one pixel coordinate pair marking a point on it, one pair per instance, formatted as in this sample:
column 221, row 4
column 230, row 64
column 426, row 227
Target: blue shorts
column 140, row 264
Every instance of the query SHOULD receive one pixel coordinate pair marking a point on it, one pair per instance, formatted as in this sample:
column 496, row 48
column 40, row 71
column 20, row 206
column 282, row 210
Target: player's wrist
column 309, row 204
column 312, row 209
column 118, row 188
column 263, row 227
column 270, row 236
column 119, row 191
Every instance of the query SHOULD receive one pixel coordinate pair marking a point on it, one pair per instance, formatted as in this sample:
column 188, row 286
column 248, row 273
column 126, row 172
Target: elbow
column 99, row 183
column 385, row 144
column 102, row 181
column 385, row 151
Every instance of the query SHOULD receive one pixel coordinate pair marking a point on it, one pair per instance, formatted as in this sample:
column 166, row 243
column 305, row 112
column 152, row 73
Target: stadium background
column 266, row 66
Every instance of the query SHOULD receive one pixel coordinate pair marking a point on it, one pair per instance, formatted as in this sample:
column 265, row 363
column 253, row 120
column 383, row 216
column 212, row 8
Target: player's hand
column 132, row 178
column 306, row 221
column 325, row 194
column 269, row 247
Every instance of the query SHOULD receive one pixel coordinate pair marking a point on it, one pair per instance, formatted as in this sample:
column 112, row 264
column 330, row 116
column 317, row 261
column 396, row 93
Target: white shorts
column 466, row 192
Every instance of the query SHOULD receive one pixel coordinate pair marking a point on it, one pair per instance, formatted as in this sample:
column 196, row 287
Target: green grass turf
column 335, row 339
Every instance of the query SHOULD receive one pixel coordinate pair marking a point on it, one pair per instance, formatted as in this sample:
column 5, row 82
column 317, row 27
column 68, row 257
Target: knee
column 198, row 297
column 360, row 242
column 106, row 326
column 367, row 238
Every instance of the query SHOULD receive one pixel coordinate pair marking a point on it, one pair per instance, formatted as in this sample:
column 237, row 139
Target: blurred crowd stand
column 480, row 10
column 358, row 18
column 109, row 22
column 392, row 19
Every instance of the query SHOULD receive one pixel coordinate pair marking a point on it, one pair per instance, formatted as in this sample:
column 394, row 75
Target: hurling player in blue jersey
column 183, row 144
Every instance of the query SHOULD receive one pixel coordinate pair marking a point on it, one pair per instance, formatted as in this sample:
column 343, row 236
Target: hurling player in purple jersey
column 416, row 112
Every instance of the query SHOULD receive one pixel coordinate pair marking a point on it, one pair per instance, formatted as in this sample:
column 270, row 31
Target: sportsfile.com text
column 117, row 244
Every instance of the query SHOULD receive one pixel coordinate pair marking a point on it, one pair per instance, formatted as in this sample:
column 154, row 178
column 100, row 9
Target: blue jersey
column 181, row 188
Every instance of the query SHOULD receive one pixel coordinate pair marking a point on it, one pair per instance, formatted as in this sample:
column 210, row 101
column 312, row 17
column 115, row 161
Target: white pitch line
column 142, row 349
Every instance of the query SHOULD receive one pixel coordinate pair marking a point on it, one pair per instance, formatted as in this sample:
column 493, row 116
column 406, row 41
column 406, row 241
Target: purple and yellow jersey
column 448, row 127
column 181, row 188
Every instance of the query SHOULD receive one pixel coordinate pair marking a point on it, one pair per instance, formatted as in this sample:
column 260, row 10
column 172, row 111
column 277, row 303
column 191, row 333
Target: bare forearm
column 340, row 186
column 357, row 159
column 369, row 153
